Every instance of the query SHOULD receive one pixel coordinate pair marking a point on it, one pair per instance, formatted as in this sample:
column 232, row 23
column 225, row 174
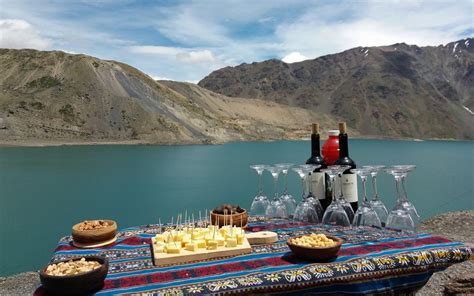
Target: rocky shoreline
column 455, row 280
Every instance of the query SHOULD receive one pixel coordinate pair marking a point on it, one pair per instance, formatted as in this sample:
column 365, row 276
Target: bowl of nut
column 77, row 276
column 94, row 231
column 229, row 215
column 315, row 247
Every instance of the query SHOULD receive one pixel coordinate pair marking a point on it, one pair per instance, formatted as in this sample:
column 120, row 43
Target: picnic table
column 371, row 260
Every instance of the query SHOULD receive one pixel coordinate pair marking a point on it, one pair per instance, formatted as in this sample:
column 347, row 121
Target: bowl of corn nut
column 316, row 247
column 76, row 276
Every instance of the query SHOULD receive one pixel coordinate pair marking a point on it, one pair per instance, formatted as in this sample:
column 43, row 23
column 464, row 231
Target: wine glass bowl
column 335, row 213
column 260, row 201
column 303, row 211
column 286, row 197
column 399, row 218
column 365, row 215
column 376, row 203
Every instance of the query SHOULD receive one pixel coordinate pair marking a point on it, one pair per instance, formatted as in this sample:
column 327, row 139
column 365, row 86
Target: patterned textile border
column 370, row 260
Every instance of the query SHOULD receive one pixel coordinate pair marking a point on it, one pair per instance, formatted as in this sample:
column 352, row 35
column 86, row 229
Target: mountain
column 56, row 98
column 399, row 90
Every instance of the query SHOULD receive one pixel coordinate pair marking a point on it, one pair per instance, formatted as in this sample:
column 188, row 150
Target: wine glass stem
column 260, row 189
column 374, row 186
column 397, row 184
column 333, row 186
column 405, row 196
column 364, row 179
column 275, row 181
column 341, row 193
column 286, row 184
column 303, row 187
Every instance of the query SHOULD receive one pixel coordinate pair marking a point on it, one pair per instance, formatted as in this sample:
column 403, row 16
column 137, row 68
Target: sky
column 186, row 40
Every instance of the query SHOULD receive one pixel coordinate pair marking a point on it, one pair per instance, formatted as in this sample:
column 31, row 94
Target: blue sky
column 186, row 40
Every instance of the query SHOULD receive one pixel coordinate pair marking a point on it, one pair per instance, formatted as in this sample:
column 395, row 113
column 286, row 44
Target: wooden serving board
column 262, row 237
column 164, row 259
column 94, row 245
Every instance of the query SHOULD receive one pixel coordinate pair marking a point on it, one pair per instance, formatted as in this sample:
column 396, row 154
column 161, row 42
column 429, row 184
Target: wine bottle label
column 318, row 184
column 349, row 187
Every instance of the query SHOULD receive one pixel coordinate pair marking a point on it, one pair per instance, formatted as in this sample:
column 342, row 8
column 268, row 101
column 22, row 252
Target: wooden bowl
column 80, row 284
column 237, row 219
column 317, row 254
column 94, row 235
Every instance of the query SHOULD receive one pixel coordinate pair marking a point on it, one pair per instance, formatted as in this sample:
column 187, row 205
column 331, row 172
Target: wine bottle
column 349, row 180
column 318, row 179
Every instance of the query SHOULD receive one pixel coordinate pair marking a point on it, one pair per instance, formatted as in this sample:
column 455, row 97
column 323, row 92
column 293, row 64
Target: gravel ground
column 455, row 280
column 459, row 278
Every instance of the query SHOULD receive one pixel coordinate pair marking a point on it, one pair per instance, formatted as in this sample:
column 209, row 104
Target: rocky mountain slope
column 399, row 90
column 54, row 97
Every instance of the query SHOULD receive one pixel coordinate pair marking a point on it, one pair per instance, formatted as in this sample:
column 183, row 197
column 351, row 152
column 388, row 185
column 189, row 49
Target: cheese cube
column 160, row 237
column 158, row 247
column 201, row 243
column 186, row 239
column 191, row 247
column 240, row 238
column 212, row 245
column 173, row 249
column 178, row 236
column 220, row 241
column 231, row 242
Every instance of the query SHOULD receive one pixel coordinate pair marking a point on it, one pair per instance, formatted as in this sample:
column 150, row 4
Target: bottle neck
column 315, row 146
column 343, row 146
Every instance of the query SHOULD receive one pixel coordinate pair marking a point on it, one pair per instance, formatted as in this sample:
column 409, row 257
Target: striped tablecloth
column 370, row 260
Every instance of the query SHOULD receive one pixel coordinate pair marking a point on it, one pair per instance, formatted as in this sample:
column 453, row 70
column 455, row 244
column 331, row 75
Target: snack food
column 92, row 225
column 71, row 267
column 191, row 239
column 313, row 240
column 227, row 209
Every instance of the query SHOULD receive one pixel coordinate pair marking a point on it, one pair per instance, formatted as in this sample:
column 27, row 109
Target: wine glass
column 376, row 203
column 404, row 200
column 287, row 198
column 309, row 168
column 399, row 218
column 335, row 213
column 306, row 210
column 365, row 215
column 277, row 208
column 345, row 204
column 260, row 201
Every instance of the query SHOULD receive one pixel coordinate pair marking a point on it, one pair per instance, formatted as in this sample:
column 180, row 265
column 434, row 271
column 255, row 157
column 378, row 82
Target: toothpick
column 231, row 224
column 159, row 222
column 200, row 221
column 185, row 216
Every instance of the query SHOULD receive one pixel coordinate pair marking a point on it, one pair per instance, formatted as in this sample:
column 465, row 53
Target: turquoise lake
column 44, row 191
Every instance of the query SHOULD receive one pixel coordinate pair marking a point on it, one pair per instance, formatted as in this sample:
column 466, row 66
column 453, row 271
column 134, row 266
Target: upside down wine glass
column 260, row 201
column 406, row 204
column 399, row 218
column 365, row 215
column 286, row 198
column 344, row 203
column 309, row 168
column 335, row 213
column 376, row 203
column 305, row 211
column 277, row 208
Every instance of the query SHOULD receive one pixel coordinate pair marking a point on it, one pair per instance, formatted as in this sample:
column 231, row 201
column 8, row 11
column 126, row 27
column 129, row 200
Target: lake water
column 44, row 191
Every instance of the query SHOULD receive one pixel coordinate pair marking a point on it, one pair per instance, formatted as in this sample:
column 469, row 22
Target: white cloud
column 155, row 50
column 194, row 57
column 294, row 57
column 183, row 55
column 160, row 78
column 17, row 33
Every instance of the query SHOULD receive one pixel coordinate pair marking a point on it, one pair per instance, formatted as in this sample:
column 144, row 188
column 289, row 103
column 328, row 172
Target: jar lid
column 333, row 133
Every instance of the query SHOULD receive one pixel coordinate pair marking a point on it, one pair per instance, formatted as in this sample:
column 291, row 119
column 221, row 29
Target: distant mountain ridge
column 54, row 98
column 398, row 90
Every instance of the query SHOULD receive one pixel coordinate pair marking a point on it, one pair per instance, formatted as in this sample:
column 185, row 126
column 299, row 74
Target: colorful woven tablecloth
column 371, row 260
